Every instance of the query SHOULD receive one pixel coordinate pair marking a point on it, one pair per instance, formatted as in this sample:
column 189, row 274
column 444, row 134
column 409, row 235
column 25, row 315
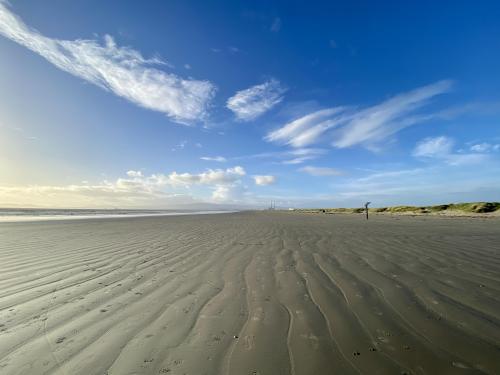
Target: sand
column 251, row 293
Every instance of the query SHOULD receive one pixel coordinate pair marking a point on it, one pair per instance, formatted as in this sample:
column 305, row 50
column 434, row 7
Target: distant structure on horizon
column 272, row 206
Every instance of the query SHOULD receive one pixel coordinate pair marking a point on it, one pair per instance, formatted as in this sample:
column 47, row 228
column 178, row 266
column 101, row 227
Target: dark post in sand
column 366, row 209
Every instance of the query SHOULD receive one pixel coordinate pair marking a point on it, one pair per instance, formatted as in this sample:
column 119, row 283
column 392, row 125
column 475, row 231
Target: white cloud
column 251, row 103
column 298, row 160
column 320, row 171
column 135, row 190
column 209, row 177
column 305, row 130
column 132, row 173
column 376, row 123
column 300, row 155
column 348, row 127
column 485, row 147
column 124, row 192
column 220, row 159
column 292, row 156
column 224, row 182
column 441, row 148
column 264, row 180
column 122, row 70
column 180, row 146
column 227, row 193
column 389, row 175
column 434, row 147
column 221, row 193
column 276, row 26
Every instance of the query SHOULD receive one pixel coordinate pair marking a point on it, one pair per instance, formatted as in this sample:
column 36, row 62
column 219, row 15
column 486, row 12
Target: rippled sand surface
column 251, row 293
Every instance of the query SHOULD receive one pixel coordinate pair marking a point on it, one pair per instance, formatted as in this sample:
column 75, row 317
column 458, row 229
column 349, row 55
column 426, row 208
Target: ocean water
column 35, row 214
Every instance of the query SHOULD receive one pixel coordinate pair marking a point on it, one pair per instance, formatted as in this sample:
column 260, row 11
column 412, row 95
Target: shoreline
column 35, row 218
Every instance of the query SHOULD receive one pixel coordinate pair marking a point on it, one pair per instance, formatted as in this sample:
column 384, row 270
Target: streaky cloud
column 291, row 156
column 121, row 70
column 305, row 130
column 349, row 127
column 378, row 122
column 320, row 171
column 219, row 159
column 253, row 102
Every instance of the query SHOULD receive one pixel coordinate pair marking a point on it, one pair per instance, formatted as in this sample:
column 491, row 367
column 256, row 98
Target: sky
column 200, row 104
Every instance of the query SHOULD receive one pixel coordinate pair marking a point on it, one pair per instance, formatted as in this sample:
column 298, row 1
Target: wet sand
column 251, row 293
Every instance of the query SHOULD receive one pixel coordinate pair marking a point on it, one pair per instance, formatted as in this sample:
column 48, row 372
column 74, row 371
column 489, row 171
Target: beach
column 251, row 293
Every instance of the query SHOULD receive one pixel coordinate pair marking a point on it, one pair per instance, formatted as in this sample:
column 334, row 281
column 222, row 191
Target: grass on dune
column 472, row 207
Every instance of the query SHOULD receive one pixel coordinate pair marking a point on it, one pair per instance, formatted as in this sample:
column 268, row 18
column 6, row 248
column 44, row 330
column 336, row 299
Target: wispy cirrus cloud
column 276, row 25
column 301, row 155
column 485, row 147
column 291, row 156
column 348, row 127
column 219, row 159
column 320, row 171
column 306, row 130
column 435, row 183
column 253, row 102
column 121, row 70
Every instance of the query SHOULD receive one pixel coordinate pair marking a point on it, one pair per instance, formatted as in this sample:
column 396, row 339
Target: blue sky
column 203, row 103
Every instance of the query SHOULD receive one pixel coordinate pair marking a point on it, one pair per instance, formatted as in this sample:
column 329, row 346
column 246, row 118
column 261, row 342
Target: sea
column 37, row 214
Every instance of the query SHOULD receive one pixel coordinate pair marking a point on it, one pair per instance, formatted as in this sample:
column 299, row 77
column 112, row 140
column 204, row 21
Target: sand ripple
column 250, row 293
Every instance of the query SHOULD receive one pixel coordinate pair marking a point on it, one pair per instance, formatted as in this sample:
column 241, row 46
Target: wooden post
column 366, row 209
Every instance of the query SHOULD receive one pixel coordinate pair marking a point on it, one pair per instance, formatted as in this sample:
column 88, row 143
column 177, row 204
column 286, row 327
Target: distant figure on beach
column 366, row 209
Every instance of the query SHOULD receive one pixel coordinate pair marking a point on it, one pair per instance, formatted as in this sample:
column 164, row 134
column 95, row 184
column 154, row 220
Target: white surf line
column 30, row 218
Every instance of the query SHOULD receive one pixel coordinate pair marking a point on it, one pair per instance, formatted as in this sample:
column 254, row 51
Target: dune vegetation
column 442, row 209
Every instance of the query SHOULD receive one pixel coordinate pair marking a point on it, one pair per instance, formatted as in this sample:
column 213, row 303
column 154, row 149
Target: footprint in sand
column 249, row 342
column 60, row 340
column 459, row 365
column 217, row 338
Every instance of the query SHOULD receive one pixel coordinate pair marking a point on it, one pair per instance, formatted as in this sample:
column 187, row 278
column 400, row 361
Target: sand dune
column 251, row 293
